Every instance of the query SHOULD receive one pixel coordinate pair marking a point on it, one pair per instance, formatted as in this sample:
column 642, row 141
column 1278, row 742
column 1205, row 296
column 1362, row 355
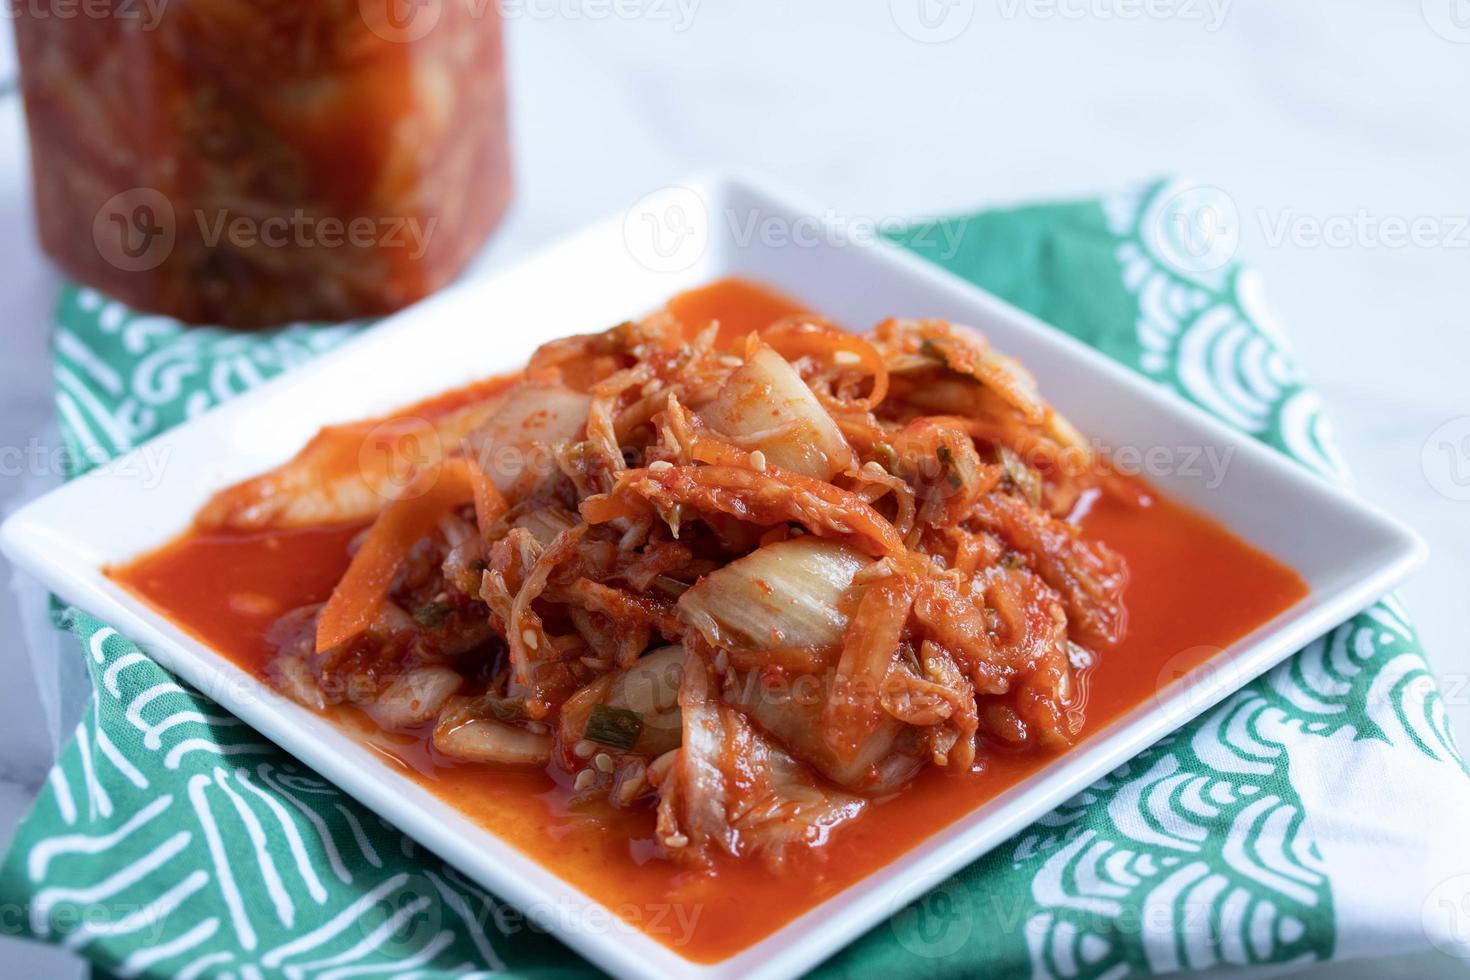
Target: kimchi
column 751, row 585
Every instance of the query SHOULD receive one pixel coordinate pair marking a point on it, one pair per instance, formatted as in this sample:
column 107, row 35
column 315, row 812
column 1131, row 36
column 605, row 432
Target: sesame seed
column 660, row 767
column 583, row 749
column 584, row 779
column 529, row 637
column 630, row 788
column 758, row 460
column 846, row 358
column 676, row 840
column 878, row 570
column 659, row 466
column 731, row 361
column 603, row 762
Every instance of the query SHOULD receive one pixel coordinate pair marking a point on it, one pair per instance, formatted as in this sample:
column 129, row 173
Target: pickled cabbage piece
column 467, row 731
column 650, row 689
column 346, row 473
column 731, row 789
column 415, row 697
column 783, row 596
column 515, row 443
column 764, row 405
column 791, row 712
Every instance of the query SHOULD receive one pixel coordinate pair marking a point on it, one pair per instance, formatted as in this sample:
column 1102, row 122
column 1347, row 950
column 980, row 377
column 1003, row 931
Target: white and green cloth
column 1319, row 813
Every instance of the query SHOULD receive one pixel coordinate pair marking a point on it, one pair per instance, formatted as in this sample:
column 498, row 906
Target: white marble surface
column 1346, row 116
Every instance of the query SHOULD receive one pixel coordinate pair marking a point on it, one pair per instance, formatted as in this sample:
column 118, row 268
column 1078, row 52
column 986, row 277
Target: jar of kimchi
column 250, row 162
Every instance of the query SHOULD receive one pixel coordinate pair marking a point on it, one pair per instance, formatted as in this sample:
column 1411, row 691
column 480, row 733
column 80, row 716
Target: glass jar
column 250, row 162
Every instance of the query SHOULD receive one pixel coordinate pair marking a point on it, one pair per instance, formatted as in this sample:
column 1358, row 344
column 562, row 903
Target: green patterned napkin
column 1282, row 826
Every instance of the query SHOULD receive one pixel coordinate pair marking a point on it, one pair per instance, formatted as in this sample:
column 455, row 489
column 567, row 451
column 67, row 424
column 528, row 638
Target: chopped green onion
column 617, row 727
column 887, row 457
column 1020, row 476
column 432, row 615
column 506, row 709
column 946, row 465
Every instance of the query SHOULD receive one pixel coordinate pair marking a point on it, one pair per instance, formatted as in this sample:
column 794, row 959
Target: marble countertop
column 1329, row 123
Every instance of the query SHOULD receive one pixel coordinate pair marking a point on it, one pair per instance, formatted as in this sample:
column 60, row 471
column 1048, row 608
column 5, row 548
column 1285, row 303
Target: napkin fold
column 1316, row 814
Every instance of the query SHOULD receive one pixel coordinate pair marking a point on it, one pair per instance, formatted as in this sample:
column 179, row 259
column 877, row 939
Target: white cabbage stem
column 415, row 697
column 785, row 595
column 765, row 406
column 517, row 440
column 486, row 740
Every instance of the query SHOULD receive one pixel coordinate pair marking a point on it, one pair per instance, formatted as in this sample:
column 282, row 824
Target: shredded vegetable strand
column 525, row 634
column 768, row 497
column 868, row 650
column 806, row 336
column 364, row 587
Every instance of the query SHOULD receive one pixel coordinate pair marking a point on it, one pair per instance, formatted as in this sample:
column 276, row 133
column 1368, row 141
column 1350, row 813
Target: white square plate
column 670, row 241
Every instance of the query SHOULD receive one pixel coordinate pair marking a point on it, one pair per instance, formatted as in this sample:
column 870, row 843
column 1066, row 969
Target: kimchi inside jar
column 250, row 162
